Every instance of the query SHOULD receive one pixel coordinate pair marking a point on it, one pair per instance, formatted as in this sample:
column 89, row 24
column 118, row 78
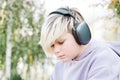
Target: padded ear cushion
column 75, row 35
column 81, row 33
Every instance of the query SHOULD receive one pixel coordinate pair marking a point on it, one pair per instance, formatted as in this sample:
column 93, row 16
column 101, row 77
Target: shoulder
column 101, row 48
column 104, row 61
column 103, row 54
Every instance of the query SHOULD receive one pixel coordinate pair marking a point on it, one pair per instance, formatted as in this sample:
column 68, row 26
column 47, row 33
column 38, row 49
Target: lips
column 61, row 56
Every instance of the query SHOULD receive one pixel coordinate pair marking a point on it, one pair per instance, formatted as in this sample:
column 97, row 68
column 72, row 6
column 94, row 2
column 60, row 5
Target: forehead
column 66, row 35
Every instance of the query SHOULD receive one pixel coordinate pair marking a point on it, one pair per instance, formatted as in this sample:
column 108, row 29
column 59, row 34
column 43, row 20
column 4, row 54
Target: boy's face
column 65, row 48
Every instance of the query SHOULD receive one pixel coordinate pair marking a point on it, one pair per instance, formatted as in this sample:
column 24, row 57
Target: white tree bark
column 8, row 52
column 8, row 43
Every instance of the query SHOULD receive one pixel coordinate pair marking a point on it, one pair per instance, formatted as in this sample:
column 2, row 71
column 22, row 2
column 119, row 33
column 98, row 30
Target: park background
column 21, row 56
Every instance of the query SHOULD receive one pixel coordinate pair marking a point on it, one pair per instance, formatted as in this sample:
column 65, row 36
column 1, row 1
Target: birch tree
column 21, row 31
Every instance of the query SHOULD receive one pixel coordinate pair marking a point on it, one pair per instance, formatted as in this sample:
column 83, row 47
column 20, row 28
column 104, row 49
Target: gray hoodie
column 101, row 61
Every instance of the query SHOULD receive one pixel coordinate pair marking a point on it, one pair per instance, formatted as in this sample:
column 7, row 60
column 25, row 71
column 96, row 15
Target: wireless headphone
column 80, row 30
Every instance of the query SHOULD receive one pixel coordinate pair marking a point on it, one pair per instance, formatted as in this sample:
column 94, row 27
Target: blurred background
column 21, row 56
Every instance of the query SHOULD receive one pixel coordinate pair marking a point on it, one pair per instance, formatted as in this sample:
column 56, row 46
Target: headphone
column 80, row 30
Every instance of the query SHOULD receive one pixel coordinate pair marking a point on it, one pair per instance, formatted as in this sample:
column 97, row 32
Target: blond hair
column 55, row 26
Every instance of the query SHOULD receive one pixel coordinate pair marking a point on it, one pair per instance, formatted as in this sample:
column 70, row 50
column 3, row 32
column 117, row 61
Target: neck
column 82, row 49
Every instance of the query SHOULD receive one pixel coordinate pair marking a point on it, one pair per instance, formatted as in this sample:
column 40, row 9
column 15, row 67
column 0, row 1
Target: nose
column 57, row 49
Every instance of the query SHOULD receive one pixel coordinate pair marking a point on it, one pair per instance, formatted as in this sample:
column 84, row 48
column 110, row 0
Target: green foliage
column 15, row 76
column 2, row 50
column 115, row 5
column 25, row 31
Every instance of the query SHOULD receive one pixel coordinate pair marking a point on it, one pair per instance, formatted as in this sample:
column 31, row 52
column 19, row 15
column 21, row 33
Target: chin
column 64, row 60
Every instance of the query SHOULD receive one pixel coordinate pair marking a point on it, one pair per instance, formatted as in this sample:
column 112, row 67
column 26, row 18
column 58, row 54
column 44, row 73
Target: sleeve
column 106, row 66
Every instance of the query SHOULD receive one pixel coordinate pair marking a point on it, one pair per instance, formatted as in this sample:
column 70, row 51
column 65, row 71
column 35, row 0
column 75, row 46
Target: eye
column 60, row 42
column 52, row 46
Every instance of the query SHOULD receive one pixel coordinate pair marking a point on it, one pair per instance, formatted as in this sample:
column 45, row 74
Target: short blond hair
column 56, row 25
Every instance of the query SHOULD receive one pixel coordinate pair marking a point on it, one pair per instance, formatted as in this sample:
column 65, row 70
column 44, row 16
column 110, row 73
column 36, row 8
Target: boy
column 66, row 35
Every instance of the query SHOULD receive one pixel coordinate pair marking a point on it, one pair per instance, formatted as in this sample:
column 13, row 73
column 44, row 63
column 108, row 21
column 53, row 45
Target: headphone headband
column 63, row 11
column 80, row 30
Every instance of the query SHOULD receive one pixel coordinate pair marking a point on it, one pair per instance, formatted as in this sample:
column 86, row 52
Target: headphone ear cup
column 81, row 33
column 75, row 35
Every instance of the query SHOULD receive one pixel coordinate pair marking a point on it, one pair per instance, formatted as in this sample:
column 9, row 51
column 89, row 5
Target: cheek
column 72, row 45
column 71, row 48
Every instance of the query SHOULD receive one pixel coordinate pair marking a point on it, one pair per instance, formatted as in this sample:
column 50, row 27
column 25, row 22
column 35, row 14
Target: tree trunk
column 8, row 52
column 8, row 42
